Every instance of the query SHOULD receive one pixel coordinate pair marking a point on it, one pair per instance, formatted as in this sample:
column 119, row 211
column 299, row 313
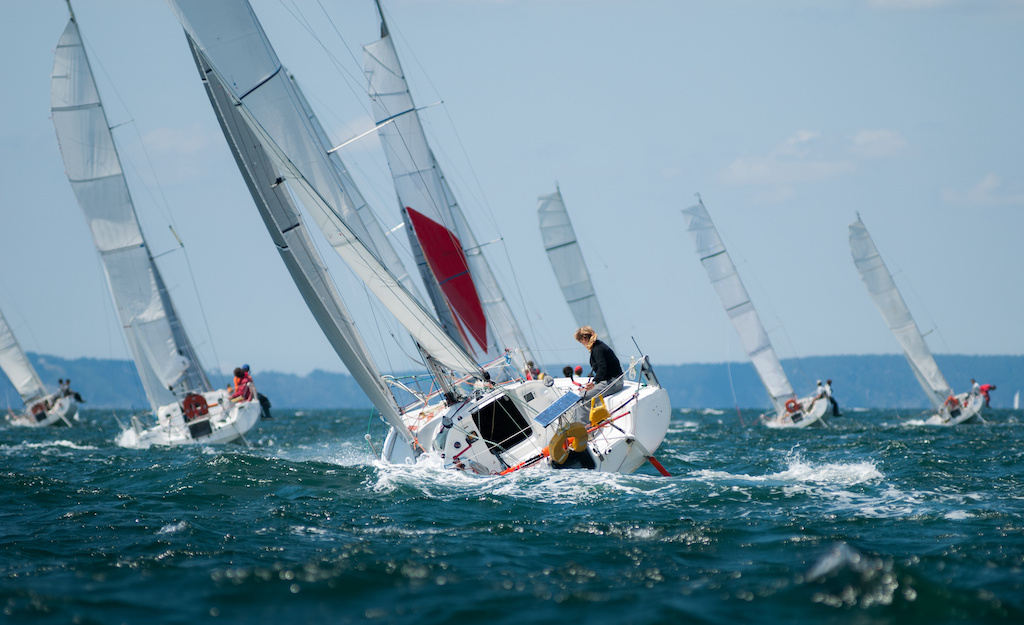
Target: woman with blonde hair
column 605, row 369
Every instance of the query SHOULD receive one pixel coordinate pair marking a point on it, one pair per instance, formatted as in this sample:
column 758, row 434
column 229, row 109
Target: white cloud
column 985, row 193
column 878, row 144
column 795, row 160
column 178, row 153
column 177, row 141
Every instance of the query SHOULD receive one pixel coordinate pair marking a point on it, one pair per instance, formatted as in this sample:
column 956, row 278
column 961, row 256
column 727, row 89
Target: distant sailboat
column 42, row 407
column 1016, row 400
column 949, row 409
column 790, row 411
column 471, row 423
column 187, row 409
column 567, row 262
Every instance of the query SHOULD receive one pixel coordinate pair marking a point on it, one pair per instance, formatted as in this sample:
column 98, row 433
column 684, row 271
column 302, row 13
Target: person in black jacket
column 605, row 369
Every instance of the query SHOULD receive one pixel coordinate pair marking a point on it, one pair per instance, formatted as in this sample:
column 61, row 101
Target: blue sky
column 786, row 116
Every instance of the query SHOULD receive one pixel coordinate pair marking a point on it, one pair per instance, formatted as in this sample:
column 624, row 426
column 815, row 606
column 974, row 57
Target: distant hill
column 858, row 381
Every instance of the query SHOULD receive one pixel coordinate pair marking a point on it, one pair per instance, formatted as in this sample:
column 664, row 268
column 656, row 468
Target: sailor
column 819, row 393
column 984, row 390
column 832, row 400
column 243, row 385
column 605, row 368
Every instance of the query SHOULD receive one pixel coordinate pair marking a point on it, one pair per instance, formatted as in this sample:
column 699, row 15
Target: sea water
column 876, row 519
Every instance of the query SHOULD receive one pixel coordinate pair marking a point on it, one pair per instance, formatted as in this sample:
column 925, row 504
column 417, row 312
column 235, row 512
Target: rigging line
column 202, row 309
column 348, row 78
column 459, row 141
column 732, row 385
column 381, row 124
column 112, row 85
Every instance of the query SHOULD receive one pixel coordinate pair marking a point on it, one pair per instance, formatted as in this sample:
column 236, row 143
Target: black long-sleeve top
column 603, row 362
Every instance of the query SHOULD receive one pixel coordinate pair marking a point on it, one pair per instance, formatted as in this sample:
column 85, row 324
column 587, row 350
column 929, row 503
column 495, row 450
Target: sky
column 787, row 117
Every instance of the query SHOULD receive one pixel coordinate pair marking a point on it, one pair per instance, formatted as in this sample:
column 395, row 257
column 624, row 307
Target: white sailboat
column 470, row 422
column 567, row 262
column 1016, row 400
column 790, row 411
column 187, row 409
column 950, row 408
column 42, row 407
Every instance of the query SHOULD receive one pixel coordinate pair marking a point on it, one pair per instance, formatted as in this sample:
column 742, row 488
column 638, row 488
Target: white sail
column 164, row 357
column 284, row 222
column 230, row 31
column 376, row 237
column 563, row 250
column 16, row 366
column 438, row 231
column 887, row 298
column 738, row 306
column 1016, row 400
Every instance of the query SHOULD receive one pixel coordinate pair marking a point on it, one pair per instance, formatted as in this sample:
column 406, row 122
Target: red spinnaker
column 444, row 255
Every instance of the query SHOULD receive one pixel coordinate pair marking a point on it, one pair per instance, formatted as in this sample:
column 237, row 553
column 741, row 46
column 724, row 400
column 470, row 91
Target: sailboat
column 790, row 411
column 42, row 407
column 186, row 407
column 949, row 408
column 567, row 262
column 467, row 420
column 1016, row 400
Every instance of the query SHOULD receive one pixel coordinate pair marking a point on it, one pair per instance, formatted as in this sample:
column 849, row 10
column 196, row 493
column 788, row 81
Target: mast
column 887, row 298
column 445, row 248
column 234, row 44
column 736, row 301
column 284, row 223
column 164, row 357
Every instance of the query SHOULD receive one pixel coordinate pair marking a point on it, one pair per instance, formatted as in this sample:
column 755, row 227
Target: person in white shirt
column 835, row 405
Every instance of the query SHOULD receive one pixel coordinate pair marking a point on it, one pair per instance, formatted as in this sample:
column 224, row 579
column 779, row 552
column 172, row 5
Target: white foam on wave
column 47, row 445
column 799, row 471
column 341, row 453
column 539, row 483
column 173, row 528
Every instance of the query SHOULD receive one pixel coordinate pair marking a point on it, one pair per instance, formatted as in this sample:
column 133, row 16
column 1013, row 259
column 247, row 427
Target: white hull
column 171, row 430
column 636, row 429
column 811, row 413
column 967, row 410
column 55, row 411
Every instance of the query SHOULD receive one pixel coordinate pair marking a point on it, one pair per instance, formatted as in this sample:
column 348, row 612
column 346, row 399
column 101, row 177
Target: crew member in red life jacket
column 984, row 390
column 243, row 385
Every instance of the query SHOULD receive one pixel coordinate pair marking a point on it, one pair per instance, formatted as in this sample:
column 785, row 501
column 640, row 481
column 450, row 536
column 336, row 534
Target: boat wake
column 539, row 484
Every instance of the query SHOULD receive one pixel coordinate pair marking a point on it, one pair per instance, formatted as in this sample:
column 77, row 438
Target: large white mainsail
column 887, row 298
column 284, row 222
column 16, row 366
column 445, row 248
column 237, row 50
column 163, row 354
column 738, row 306
column 563, row 250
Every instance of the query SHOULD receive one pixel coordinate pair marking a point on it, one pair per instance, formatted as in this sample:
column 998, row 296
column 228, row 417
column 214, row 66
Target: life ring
column 559, row 451
column 194, row 406
column 792, row 405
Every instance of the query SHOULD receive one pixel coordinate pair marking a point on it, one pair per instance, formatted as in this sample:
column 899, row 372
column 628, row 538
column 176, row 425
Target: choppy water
column 879, row 519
